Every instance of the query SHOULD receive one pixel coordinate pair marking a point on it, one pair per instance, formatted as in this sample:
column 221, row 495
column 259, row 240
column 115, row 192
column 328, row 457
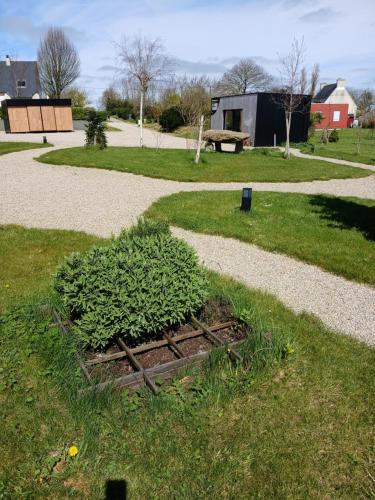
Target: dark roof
column 21, row 102
column 254, row 93
column 325, row 92
column 19, row 70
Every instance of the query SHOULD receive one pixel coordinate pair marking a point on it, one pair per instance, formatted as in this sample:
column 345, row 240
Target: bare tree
column 145, row 61
column 365, row 102
column 58, row 62
column 199, row 144
column 290, row 79
column 194, row 98
column 303, row 81
column 314, row 79
column 245, row 76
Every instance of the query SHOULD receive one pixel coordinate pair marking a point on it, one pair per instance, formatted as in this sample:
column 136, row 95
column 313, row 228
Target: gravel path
column 102, row 202
column 342, row 305
column 129, row 136
column 297, row 152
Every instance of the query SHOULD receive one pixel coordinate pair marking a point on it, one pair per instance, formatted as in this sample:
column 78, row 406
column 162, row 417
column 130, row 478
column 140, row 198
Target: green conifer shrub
column 144, row 281
column 333, row 136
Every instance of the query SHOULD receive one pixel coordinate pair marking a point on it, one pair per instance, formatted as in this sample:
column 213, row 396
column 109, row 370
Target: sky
column 203, row 37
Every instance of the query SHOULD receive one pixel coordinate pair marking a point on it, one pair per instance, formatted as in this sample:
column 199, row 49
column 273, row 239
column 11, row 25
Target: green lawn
column 13, row 147
column 28, row 257
column 346, row 148
column 300, row 428
column 336, row 234
column 256, row 165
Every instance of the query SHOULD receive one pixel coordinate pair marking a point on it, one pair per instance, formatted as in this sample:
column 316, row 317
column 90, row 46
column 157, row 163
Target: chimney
column 322, row 85
column 7, row 60
column 341, row 82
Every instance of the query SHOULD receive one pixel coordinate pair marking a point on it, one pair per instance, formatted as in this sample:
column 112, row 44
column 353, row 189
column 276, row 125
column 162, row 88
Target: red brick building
column 334, row 115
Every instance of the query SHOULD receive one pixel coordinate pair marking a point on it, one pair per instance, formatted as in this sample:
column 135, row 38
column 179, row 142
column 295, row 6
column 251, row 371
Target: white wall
column 3, row 97
column 341, row 96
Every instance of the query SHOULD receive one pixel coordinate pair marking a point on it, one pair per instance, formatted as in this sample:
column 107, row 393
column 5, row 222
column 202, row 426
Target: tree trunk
column 141, row 119
column 288, row 119
column 359, row 133
column 197, row 156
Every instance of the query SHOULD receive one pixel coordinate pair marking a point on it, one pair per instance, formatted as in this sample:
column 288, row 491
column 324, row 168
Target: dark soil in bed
column 214, row 312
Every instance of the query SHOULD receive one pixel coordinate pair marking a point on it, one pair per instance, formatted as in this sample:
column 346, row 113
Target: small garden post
column 199, row 146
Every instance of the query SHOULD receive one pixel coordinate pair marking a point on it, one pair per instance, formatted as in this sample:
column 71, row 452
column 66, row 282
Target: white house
column 19, row 79
column 336, row 93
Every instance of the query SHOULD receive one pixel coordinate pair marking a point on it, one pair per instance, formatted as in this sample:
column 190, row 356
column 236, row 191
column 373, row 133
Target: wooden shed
column 38, row 115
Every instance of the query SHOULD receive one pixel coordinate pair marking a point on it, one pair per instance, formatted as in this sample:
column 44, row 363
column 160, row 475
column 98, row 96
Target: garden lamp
column 246, row 199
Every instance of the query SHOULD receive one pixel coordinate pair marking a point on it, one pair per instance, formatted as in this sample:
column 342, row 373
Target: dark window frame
column 236, row 118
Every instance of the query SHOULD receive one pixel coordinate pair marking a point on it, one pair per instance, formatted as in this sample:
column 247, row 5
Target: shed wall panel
column 18, row 120
column 247, row 103
column 271, row 120
column 48, row 117
column 64, row 120
column 35, row 119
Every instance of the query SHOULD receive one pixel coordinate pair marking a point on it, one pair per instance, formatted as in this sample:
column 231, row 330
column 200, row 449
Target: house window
column 336, row 116
column 21, row 84
column 233, row 119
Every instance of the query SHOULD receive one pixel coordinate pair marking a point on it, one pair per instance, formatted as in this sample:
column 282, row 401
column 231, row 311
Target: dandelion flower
column 73, row 451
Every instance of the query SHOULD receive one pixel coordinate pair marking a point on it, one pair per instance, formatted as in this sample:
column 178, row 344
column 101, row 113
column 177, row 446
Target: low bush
column 120, row 107
column 170, row 119
column 368, row 123
column 123, row 113
column 143, row 282
column 333, row 136
column 81, row 113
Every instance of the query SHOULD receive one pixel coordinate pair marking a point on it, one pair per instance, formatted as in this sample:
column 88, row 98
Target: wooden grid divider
column 165, row 371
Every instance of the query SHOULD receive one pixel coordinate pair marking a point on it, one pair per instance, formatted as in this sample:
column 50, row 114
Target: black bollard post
column 246, row 199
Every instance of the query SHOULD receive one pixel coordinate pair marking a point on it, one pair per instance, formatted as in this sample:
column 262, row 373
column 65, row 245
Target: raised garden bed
column 133, row 366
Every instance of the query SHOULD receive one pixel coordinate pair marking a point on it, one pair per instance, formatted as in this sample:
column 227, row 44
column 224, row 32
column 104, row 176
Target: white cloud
column 323, row 15
column 211, row 38
column 22, row 27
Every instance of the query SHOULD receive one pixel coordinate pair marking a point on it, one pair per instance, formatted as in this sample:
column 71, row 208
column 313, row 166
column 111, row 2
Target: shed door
column 63, row 115
column 48, row 117
column 35, row 118
column 18, row 121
